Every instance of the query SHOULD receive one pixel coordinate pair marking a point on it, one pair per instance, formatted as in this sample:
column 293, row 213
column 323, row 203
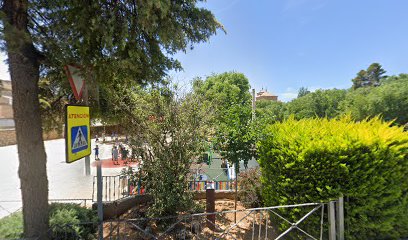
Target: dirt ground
column 248, row 225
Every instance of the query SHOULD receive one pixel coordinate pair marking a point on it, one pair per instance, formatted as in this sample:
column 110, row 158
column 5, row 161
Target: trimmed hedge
column 317, row 160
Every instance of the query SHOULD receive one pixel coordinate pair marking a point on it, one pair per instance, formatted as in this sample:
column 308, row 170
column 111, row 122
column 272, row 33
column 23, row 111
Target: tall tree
column 321, row 103
column 228, row 100
column 370, row 77
column 390, row 100
column 303, row 91
column 131, row 40
column 24, row 63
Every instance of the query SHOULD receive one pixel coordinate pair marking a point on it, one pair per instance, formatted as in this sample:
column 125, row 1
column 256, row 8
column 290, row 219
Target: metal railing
column 255, row 223
column 118, row 187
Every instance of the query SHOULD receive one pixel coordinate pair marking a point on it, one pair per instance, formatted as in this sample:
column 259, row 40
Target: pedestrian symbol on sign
column 79, row 136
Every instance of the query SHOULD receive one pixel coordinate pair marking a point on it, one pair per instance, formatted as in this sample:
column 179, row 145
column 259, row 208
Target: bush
column 11, row 227
column 249, row 183
column 317, row 160
column 66, row 220
column 70, row 219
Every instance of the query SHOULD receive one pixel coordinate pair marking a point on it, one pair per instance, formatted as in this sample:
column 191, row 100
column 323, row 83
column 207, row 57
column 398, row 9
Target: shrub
column 249, row 183
column 11, row 227
column 317, row 160
column 70, row 219
column 66, row 220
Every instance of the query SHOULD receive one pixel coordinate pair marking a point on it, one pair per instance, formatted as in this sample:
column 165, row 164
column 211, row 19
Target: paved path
column 65, row 180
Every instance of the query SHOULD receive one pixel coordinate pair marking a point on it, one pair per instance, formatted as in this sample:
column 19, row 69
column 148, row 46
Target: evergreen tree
column 370, row 77
column 131, row 40
column 303, row 91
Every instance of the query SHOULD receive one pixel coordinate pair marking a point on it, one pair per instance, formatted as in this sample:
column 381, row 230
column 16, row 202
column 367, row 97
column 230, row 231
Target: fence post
column 332, row 221
column 210, row 207
column 99, row 198
column 340, row 218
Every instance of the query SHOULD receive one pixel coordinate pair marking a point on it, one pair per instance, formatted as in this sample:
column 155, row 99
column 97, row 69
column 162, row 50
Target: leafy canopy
column 227, row 100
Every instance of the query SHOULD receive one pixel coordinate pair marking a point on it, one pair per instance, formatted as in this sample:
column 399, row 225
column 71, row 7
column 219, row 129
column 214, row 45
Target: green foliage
column 52, row 104
column 303, row 91
column 317, row 160
column 250, row 188
column 122, row 38
column 227, row 101
column 66, row 219
column 270, row 111
column 390, row 100
column 321, row 103
column 11, row 227
column 165, row 132
column 73, row 220
column 370, row 77
column 114, row 42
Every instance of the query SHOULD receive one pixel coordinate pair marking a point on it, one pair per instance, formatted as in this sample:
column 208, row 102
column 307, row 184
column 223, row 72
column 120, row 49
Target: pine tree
column 131, row 40
column 370, row 77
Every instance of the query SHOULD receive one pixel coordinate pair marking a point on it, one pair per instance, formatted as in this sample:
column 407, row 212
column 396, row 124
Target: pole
column 340, row 218
column 99, row 198
column 236, row 190
column 332, row 221
column 210, row 206
column 87, row 158
column 253, row 104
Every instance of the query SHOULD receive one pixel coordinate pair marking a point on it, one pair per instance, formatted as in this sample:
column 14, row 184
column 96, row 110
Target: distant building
column 6, row 109
column 264, row 95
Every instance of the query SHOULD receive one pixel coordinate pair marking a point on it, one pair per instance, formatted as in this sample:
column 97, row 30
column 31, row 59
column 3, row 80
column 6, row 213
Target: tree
column 303, row 91
column 270, row 111
column 165, row 132
column 390, row 100
column 24, row 70
column 227, row 99
column 370, row 77
column 321, row 103
column 111, row 39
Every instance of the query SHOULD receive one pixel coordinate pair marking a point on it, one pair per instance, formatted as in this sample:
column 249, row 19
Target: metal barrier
column 117, row 187
column 255, row 223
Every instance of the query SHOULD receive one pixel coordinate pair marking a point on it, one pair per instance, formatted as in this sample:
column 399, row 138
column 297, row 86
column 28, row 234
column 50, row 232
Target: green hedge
column 66, row 221
column 317, row 160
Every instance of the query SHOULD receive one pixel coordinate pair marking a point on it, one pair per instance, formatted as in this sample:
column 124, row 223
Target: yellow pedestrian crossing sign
column 77, row 133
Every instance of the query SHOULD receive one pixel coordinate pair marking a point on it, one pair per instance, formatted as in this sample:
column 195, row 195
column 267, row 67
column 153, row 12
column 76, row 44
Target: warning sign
column 79, row 142
column 77, row 133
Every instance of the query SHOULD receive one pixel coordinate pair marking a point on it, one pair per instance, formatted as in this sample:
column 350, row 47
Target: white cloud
column 288, row 95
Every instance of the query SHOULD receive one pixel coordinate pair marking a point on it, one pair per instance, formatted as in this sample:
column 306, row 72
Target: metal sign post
column 78, row 134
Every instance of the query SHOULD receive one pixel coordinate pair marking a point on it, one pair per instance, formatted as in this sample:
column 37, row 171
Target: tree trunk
column 24, row 72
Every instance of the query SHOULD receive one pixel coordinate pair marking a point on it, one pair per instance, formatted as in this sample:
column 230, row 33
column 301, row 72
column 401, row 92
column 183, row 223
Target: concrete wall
column 8, row 137
column 6, row 111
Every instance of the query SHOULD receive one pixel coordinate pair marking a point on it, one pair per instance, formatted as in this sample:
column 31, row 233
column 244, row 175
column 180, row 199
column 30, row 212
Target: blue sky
column 282, row 45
